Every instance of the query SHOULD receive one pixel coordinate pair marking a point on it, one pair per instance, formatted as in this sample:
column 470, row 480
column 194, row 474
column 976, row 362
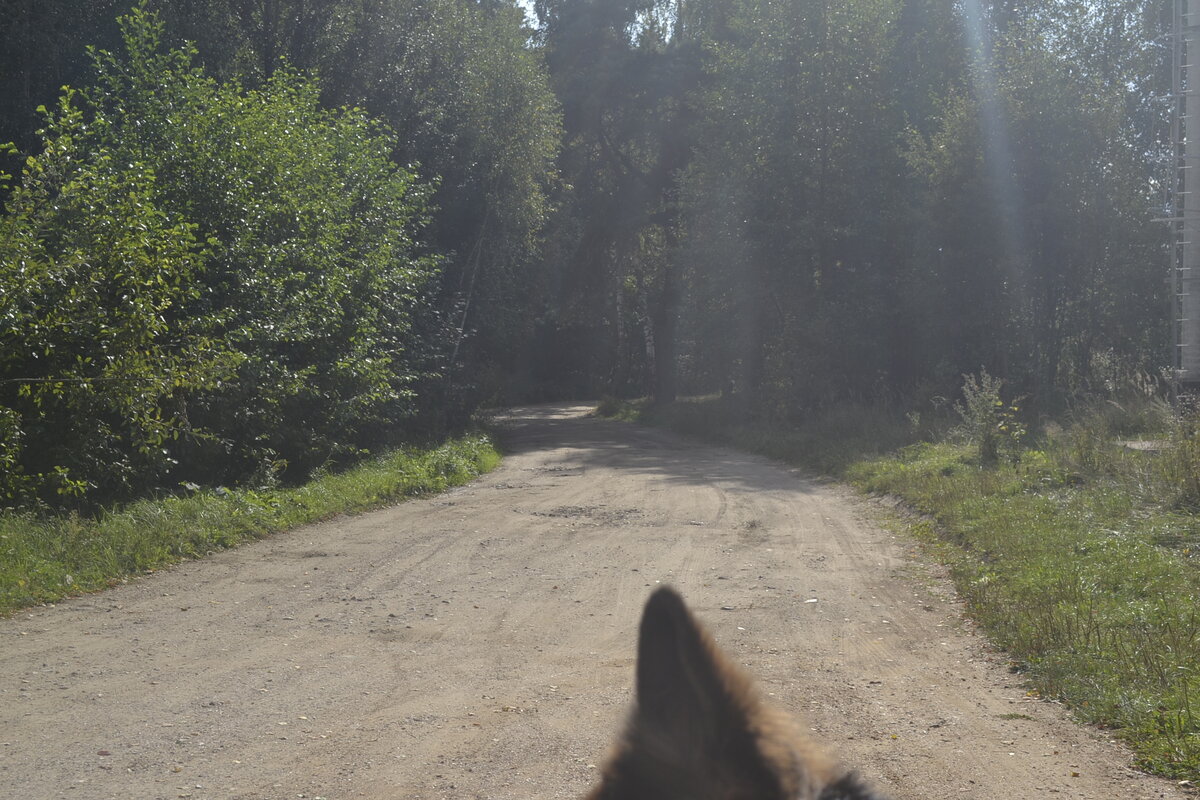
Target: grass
column 1080, row 557
column 1072, row 580
column 45, row 558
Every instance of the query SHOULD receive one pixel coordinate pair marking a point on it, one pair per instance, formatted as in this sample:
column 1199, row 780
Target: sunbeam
column 997, row 145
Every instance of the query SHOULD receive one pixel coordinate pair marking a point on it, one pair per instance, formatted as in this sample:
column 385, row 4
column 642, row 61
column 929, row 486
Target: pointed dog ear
column 699, row 732
column 686, row 694
column 697, row 716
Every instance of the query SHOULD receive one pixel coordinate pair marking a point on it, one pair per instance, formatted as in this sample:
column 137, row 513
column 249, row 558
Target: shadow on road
column 574, row 441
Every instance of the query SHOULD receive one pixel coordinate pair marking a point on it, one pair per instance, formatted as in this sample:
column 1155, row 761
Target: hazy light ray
column 997, row 146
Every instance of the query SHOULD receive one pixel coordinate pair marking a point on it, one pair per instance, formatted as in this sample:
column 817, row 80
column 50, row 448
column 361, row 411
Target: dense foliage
column 201, row 281
column 874, row 196
column 470, row 105
column 260, row 238
column 793, row 203
column 216, row 266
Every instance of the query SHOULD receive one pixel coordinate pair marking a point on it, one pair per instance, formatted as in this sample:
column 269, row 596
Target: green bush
column 93, row 347
column 989, row 423
column 201, row 282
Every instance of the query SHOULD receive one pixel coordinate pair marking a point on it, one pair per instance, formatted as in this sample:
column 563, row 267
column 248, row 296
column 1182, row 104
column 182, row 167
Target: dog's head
column 698, row 730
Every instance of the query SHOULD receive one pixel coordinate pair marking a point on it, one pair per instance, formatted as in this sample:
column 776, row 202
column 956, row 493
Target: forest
column 246, row 240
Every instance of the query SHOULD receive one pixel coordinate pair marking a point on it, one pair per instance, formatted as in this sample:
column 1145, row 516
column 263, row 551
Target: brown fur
column 699, row 732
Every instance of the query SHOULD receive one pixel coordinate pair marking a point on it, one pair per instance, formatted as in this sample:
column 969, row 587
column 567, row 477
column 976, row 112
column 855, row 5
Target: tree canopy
column 860, row 198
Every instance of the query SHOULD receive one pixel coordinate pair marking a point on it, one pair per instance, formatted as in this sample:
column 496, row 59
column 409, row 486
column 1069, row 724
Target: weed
column 1067, row 574
column 989, row 423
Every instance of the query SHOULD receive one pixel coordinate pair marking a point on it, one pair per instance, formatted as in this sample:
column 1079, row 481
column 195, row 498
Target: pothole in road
column 601, row 515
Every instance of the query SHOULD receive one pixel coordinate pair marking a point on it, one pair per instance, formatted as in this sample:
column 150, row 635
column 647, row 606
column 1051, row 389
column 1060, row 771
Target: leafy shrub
column 987, row 421
column 199, row 281
column 93, row 349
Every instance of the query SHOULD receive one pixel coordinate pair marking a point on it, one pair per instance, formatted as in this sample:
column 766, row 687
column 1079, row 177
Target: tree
column 793, row 201
column 41, row 50
column 624, row 73
column 471, row 108
column 1075, row 270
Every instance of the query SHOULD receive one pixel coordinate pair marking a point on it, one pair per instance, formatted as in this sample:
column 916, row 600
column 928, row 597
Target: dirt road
column 479, row 644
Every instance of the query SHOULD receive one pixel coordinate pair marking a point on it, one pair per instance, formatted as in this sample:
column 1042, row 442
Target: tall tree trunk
column 666, row 327
column 754, row 357
column 621, row 356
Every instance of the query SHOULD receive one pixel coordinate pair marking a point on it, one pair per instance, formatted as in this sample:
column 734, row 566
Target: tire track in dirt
column 479, row 644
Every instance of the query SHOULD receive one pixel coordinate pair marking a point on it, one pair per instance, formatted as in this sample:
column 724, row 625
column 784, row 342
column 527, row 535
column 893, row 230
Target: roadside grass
column 1081, row 558
column 1072, row 579
column 45, row 558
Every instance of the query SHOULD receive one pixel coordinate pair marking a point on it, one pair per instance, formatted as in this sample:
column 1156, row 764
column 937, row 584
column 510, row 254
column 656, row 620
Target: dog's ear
column 699, row 732
column 697, row 716
column 686, row 692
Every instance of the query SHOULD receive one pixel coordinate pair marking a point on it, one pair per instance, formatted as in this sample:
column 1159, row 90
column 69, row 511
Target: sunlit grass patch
column 43, row 559
column 1070, row 578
